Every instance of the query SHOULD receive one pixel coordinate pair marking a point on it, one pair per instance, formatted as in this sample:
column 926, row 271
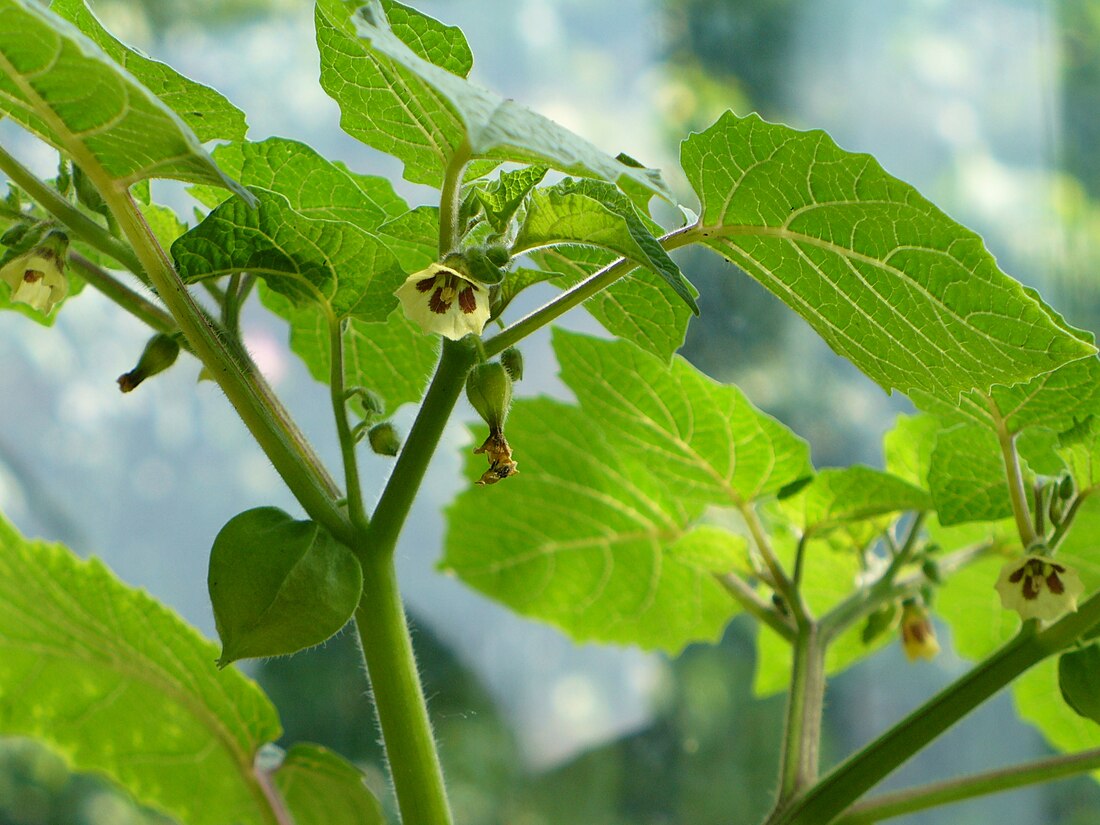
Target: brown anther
column 33, row 276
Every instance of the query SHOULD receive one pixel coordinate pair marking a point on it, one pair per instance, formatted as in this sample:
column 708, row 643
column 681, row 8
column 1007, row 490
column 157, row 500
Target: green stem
column 136, row 304
column 1016, row 492
column 1062, row 529
column 745, row 596
column 859, row 773
column 398, row 696
column 805, row 699
column 450, row 200
column 356, row 511
column 782, row 585
column 79, row 224
column 397, row 498
column 934, row 794
column 257, row 406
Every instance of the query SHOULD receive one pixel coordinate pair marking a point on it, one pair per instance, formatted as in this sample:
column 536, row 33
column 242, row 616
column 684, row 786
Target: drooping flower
column 918, row 637
column 37, row 278
column 1037, row 587
column 444, row 301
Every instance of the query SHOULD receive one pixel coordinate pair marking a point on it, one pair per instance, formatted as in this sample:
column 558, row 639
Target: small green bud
column 512, row 359
column 370, row 402
column 879, row 622
column 86, row 192
column 498, row 255
column 1066, row 488
column 16, row 232
column 159, row 354
column 931, row 571
column 384, row 439
column 489, row 388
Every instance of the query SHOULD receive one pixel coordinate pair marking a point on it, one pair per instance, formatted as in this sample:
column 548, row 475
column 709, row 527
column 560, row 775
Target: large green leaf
column 588, row 539
column 838, row 496
column 594, row 213
column 890, row 282
column 310, row 260
column 61, row 86
column 642, row 308
column 315, row 186
column 323, row 788
column 967, row 476
column 1079, row 448
column 703, row 439
column 118, row 684
column 402, row 89
column 394, row 359
column 209, row 115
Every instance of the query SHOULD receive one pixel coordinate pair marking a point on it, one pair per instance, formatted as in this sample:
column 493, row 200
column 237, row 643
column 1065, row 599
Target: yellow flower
column 918, row 637
column 1038, row 587
column 443, row 301
column 37, row 278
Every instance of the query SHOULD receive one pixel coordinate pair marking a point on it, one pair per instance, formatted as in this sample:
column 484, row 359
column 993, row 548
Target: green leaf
column 322, row 788
column 1079, row 680
column 641, row 308
column 520, row 279
column 208, row 114
column 413, row 238
column 890, row 282
column 1079, row 448
column 112, row 121
column 502, row 197
column 1039, row 701
column 594, row 213
column 306, row 259
column 279, row 585
column 907, row 448
column 838, row 496
column 701, row 438
column 966, row 476
column 394, row 359
column 314, row 186
column 587, row 539
column 119, row 685
column 402, row 91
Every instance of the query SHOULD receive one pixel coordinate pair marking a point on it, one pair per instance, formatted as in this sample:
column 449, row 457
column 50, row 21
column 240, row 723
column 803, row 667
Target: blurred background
column 990, row 107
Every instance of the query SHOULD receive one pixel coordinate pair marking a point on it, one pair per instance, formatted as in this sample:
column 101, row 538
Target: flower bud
column 384, row 439
column 159, row 354
column 37, row 278
column 918, row 638
column 489, row 389
column 512, row 359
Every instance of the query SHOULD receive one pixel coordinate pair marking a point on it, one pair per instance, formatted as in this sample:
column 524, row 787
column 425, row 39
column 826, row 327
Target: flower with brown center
column 37, row 278
column 444, row 301
column 918, row 637
column 1038, row 587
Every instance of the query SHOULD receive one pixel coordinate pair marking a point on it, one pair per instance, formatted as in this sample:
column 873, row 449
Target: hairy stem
column 255, row 403
column 450, row 200
column 79, row 224
column 862, row 771
column 1016, row 491
column 356, row 511
column 805, row 699
column 398, row 695
column 935, row 794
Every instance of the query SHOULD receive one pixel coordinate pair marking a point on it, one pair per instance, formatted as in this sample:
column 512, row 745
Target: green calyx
column 159, row 354
column 384, row 439
column 512, row 359
column 489, row 390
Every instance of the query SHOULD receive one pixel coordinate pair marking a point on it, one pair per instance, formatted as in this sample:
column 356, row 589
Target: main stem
column 802, row 737
column 380, row 619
